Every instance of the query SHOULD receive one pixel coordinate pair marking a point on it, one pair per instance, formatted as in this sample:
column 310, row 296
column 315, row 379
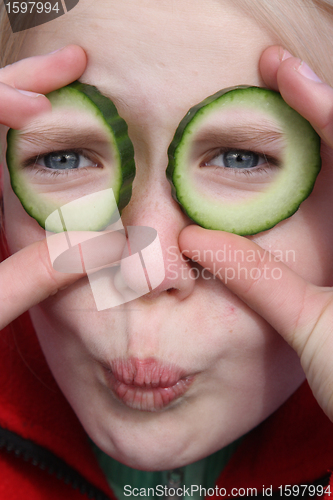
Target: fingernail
column 306, row 71
column 28, row 93
column 57, row 50
column 284, row 54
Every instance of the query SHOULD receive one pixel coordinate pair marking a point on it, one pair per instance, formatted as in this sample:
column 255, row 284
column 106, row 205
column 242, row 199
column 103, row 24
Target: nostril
column 171, row 291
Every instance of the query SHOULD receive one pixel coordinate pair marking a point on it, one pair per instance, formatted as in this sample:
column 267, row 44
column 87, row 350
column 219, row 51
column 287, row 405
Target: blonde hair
column 304, row 27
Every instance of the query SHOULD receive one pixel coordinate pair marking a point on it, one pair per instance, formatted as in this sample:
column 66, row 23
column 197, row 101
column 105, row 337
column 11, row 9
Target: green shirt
column 123, row 480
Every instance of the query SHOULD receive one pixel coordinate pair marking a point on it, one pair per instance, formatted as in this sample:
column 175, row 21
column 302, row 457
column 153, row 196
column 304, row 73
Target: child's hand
column 27, row 277
column 300, row 311
column 36, row 76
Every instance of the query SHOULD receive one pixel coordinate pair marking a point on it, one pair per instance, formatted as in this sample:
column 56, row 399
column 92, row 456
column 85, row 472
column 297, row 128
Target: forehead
column 157, row 58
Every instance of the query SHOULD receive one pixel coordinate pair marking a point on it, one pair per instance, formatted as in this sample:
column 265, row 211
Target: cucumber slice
column 219, row 205
column 96, row 211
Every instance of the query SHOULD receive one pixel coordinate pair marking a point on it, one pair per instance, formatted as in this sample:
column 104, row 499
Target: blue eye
column 236, row 159
column 240, row 159
column 62, row 160
column 65, row 160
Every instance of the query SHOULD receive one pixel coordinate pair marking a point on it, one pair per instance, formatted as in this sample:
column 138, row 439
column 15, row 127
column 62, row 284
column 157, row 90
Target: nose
column 152, row 206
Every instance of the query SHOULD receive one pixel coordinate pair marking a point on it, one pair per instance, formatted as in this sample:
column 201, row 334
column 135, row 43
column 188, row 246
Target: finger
column 27, row 278
column 300, row 88
column 25, row 82
column 26, row 105
column 269, row 64
column 85, row 250
column 43, row 74
column 284, row 299
column 32, row 274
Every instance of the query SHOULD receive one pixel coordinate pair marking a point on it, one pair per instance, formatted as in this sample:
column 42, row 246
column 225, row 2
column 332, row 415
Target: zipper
column 27, row 450
column 175, row 480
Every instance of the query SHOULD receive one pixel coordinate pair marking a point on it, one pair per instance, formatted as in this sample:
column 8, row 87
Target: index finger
column 27, row 277
column 301, row 88
column 23, row 83
column 45, row 73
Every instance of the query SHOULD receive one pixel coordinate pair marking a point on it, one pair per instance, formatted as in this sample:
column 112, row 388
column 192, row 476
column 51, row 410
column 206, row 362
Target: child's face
column 155, row 60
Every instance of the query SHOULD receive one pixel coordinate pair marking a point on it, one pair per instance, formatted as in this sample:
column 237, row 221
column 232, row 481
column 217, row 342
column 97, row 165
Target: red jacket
column 41, row 432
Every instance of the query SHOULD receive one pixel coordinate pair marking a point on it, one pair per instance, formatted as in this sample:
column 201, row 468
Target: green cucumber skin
column 118, row 129
column 22, row 192
column 227, row 225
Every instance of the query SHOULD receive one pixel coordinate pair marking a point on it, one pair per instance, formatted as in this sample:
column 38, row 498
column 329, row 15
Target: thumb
column 279, row 295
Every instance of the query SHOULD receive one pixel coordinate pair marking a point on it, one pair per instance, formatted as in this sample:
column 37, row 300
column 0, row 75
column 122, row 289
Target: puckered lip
column 146, row 384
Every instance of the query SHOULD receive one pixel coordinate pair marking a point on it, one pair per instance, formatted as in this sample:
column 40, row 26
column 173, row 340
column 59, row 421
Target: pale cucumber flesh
column 297, row 172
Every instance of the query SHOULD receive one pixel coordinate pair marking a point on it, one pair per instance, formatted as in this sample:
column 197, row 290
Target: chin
column 152, row 458
column 151, row 464
column 156, row 445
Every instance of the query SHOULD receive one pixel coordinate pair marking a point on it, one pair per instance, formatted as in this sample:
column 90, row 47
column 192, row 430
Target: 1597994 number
column 304, row 490
column 31, row 7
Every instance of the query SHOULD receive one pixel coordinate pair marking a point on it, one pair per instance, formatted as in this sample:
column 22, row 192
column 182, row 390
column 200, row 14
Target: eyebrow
column 239, row 137
column 51, row 137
